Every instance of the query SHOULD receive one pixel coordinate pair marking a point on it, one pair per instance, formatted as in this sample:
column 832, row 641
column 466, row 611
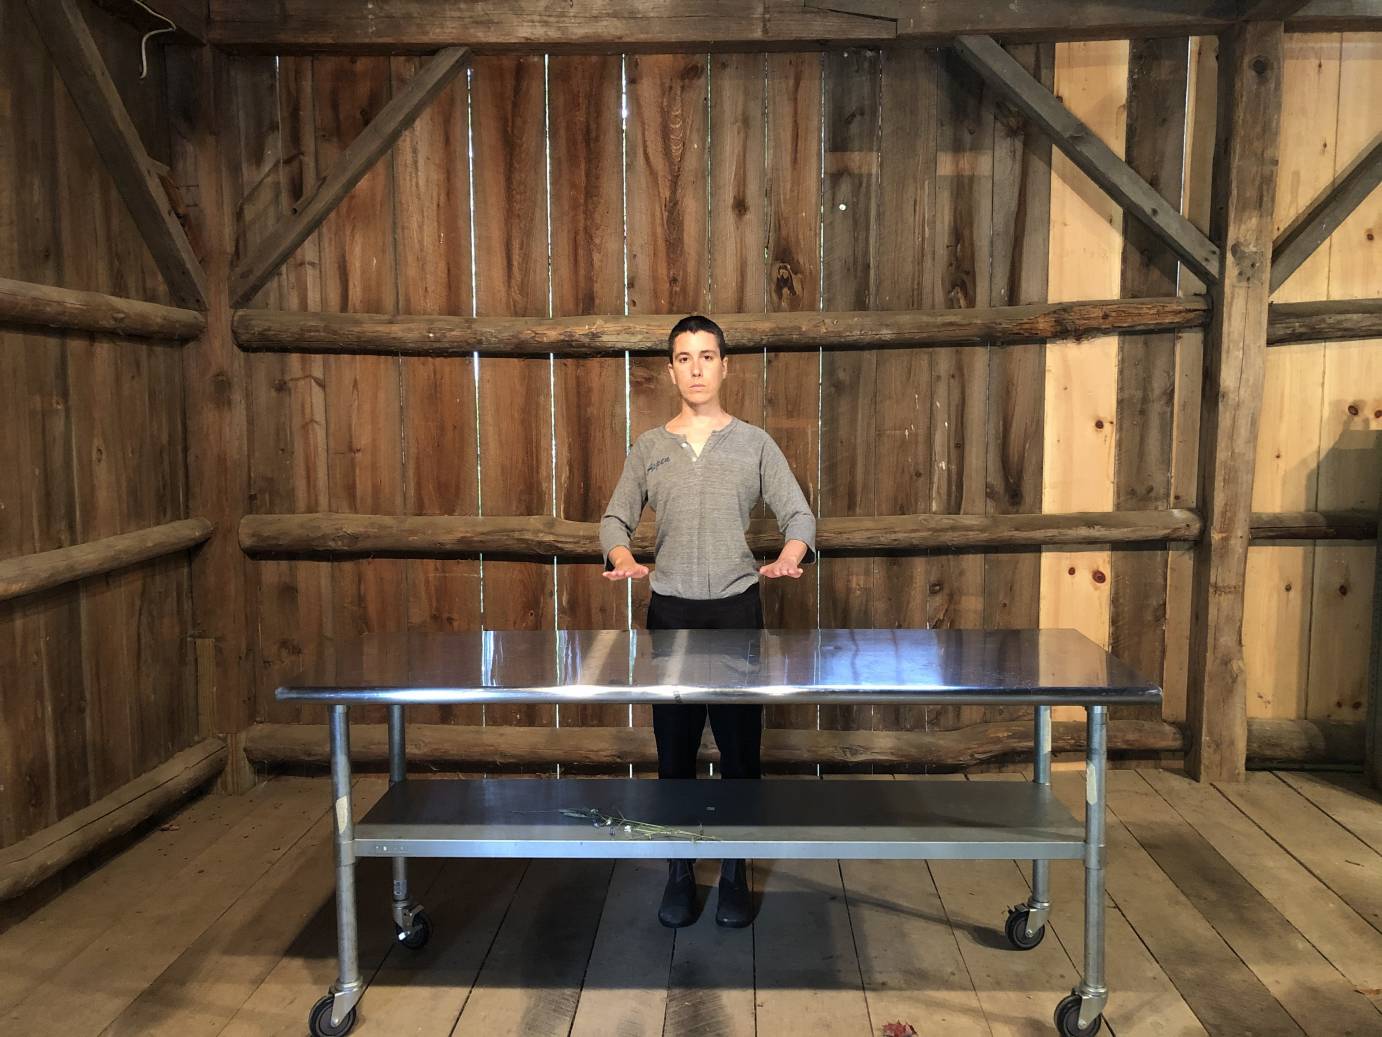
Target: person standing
column 703, row 473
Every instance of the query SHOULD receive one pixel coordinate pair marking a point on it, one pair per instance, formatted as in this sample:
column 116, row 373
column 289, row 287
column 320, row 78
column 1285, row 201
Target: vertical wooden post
column 1372, row 753
column 214, row 401
column 1244, row 191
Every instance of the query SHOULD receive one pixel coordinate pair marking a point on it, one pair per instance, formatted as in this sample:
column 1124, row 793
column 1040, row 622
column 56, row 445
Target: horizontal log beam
column 416, row 335
column 41, row 855
column 1270, row 743
column 1330, row 321
column 29, row 574
column 598, row 26
column 1314, row 525
column 333, row 534
column 46, row 306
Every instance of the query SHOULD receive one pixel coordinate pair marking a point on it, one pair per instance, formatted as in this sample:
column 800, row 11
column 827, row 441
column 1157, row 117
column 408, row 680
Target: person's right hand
column 625, row 568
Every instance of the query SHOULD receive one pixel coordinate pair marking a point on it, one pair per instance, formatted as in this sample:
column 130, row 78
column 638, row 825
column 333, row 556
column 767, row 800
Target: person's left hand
column 781, row 567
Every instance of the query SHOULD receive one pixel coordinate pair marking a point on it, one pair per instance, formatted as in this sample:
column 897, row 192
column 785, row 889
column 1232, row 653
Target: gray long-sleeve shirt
column 703, row 506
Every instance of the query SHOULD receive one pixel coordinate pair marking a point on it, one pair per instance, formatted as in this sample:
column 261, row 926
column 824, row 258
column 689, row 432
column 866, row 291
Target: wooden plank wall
column 854, row 179
column 96, row 681
column 1311, row 605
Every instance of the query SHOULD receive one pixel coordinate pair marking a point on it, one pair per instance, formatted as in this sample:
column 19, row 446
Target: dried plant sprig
column 631, row 826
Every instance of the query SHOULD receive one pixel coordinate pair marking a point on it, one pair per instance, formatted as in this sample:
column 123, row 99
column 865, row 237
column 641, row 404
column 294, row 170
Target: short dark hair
column 690, row 325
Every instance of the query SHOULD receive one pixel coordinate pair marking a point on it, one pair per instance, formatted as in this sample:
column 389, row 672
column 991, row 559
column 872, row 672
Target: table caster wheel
column 1016, row 929
column 1068, row 1019
column 416, row 937
column 319, row 1022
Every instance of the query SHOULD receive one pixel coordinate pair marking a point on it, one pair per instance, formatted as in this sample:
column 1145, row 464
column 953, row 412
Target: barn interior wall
column 96, row 678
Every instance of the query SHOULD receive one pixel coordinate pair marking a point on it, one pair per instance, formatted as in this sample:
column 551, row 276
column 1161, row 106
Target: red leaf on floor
column 899, row 1030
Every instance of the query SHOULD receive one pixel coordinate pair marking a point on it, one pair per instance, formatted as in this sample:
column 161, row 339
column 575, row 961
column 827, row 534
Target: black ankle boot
column 679, row 897
column 735, row 907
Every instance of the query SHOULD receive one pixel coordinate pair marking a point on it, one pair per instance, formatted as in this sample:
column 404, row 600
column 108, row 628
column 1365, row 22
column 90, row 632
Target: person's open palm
column 632, row 571
column 781, row 567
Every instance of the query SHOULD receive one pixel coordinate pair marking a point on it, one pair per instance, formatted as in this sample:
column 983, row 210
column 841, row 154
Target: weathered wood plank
column 848, row 475
column 710, row 988
column 1350, row 944
column 1320, row 999
column 351, row 165
column 440, row 452
column 1091, row 155
column 1016, row 406
column 1329, row 320
column 511, row 276
column 1155, row 135
column 1250, row 66
column 792, row 382
column 584, row 99
column 362, row 394
column 533, row 971
column 904, row 242
column 74, row 52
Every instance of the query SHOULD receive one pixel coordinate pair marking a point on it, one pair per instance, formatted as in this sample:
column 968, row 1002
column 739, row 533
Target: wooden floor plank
column 625, row 989
column 1334, row 928
column 278, row 1007
column 909, row 961
column 531, row 980
column 1142, row 1000
column 1347, row 798
column 1318, row 997
column 1223, row 993
column 422, row 992
column 710, row 989
column 203, row 989
column 804, row 963
column 88, row 992
column 1017, row 991
column 1343, row 862
column 42, row 943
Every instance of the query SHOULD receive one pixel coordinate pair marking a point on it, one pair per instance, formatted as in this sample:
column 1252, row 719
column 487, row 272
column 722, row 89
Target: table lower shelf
column 908, row 820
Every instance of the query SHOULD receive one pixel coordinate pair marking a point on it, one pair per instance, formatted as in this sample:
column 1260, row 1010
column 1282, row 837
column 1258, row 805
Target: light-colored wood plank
column 1222, row 992
column 1320, row 999
column 422, row 991
column 43, row 942
column 625, row 987
column 1081, row 380
column 710, row 991
column 1349, row 867
column 208, row 982
column 133, row 952
column 531, row 979
column 1353, row 946
column 1346, row 798
column 804, row 961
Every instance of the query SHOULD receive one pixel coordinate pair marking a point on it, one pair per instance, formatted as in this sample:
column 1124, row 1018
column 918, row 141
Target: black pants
column 677, row 728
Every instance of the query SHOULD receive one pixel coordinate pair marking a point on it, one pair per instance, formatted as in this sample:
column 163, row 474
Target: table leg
column 1027, row 922
column 410, row 922
column 1078, row 1012
column 335, row 1013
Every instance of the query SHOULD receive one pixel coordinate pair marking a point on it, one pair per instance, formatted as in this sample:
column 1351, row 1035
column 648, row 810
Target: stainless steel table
column 767, row 819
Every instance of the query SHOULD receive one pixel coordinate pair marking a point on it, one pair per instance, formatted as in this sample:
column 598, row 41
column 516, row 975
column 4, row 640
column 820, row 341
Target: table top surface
column 1022, row 667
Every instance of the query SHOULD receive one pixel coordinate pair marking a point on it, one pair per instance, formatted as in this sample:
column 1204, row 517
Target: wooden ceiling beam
column 357, row 160
column 1083, row 147
column 74, row 51
column 189, row 17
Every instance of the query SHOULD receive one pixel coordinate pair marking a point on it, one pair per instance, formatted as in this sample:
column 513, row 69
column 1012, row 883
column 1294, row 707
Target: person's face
column 697, row 368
